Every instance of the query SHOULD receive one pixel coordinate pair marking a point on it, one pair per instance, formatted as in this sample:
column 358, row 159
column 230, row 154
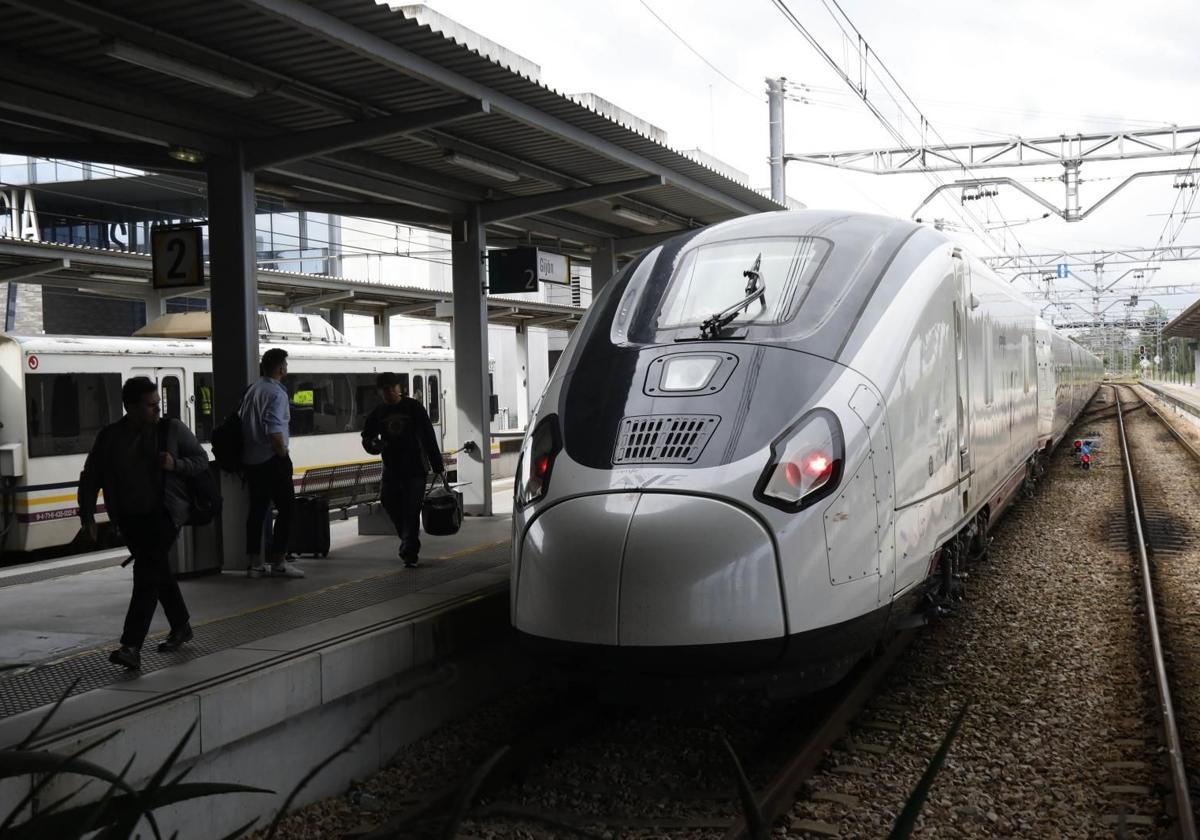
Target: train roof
column 190, row 347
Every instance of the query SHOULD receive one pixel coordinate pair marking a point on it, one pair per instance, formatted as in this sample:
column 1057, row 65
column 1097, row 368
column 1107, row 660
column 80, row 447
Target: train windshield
column 712, row 278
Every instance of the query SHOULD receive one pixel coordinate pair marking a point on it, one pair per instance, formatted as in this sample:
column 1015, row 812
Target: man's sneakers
column 176, row 639
column 281, row 568
column 129, row 658
column 410, row 562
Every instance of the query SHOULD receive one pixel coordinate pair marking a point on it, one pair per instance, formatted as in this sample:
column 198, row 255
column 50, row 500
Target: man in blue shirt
column 265, row 416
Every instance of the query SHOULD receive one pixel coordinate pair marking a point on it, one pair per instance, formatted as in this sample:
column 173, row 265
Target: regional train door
column 171, row 384
column 962, row 304
column 427, row 390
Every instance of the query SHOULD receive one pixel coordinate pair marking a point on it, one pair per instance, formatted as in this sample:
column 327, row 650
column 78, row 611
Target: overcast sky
column 976, row 69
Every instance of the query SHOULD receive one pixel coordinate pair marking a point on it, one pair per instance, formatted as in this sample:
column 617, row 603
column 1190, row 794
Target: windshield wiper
column 756, row 289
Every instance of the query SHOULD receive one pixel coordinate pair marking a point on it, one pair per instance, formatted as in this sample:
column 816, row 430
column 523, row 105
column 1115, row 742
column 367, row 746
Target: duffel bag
column 442, row 510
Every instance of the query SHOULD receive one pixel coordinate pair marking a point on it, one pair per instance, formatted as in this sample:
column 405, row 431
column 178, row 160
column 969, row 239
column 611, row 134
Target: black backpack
column 205, row 495
column 227, row 445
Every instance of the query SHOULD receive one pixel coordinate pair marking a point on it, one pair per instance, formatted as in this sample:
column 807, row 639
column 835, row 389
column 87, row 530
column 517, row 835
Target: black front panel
column 768, row 389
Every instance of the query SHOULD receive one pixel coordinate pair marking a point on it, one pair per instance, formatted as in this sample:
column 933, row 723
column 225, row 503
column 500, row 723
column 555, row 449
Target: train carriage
column 57, row 392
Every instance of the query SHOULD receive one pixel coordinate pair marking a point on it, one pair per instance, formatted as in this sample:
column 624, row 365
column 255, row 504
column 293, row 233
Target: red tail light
column 537, row 461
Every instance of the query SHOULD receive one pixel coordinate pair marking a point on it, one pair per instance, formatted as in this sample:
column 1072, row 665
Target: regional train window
column 168, row 392
column 435, row 410
column 202, row 388
column 419, row 389
column 65, row 411
column 321, row 404
column 713, row 277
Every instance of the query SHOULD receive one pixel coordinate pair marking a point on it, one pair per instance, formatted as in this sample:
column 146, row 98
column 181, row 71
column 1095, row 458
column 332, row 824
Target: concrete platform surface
column 56, row 630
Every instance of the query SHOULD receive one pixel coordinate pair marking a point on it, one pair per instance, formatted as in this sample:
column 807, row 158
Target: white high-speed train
column 57, row 392
column 771, row 440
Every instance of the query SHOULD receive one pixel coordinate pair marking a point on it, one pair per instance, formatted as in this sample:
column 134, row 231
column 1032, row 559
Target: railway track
column 1150, row 476
column 598, row 772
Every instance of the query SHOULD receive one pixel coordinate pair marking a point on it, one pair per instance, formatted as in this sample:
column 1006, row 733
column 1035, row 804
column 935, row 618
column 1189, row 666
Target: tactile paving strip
column 42, row 685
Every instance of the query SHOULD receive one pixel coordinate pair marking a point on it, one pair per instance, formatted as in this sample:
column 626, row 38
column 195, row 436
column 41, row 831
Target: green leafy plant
column 122, row 807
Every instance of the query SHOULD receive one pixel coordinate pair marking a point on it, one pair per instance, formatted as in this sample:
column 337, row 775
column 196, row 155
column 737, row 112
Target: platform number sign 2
column 178, row 257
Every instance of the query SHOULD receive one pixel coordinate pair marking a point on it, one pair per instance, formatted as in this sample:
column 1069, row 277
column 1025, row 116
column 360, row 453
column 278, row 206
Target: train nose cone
column 653, row 569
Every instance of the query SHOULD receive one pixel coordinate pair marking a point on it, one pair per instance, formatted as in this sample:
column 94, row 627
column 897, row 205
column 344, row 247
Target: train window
column 169, row 394
column 366, row 397
column 989, row 385
column 64, row 411
column 202, row 387
column 713, row 277
column 435, row 400
column 418, row 392
column 321, row 404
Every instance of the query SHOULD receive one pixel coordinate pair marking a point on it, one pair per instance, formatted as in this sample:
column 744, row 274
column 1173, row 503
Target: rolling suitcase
column 310, row 527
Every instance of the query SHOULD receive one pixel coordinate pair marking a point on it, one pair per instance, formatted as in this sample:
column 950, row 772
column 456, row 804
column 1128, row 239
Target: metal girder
column 102, row 117
column 266, row 152
column 515, row 208
column 134, row 155
column 337, row 31
column 343, row 180
column 16, row 273
column 1089, row 259
column 322, row 300
column 403, row 213
column 1017, row 151
column 1070, row 213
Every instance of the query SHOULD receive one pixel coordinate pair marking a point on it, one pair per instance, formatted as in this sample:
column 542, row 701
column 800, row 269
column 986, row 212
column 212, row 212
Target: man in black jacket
column 146, row 495
column 401, row 430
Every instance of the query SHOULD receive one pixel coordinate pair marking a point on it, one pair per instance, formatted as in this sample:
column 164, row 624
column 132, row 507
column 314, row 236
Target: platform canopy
column 344, row 106
column 1184, row 325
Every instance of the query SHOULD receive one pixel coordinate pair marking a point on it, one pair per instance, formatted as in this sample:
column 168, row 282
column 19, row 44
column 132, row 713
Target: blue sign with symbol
column 1062, row 271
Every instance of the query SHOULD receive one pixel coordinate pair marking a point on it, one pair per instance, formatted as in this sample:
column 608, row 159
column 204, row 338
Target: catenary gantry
column 344, row 106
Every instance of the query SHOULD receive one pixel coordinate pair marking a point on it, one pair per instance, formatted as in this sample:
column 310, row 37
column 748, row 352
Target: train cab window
column 713, row 277
column 435, row 400
column 64, row 411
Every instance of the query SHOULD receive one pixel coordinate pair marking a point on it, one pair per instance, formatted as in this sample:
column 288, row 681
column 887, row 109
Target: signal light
column 1078, row 444
column 1087, row 459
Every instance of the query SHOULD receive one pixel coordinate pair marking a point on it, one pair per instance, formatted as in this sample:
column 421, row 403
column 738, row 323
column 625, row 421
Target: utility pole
column 775, row 88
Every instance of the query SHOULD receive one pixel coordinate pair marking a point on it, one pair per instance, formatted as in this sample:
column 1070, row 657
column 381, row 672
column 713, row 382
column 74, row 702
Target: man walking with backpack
column 265, row 414
column 400, row 429
column 144, row 471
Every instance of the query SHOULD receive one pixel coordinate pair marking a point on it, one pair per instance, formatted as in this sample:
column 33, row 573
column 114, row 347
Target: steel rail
column 1186, row 820
column 780, row 795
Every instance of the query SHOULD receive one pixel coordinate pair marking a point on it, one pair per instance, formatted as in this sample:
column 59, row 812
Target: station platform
column 281, row 673
column 1183, row 397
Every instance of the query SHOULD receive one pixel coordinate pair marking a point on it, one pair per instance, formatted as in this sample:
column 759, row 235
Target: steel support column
column 604, row 265
column 775, row 89
column 523, row 406
column 470, row 328
column 337, row 318
column 234, row 319
column 383, row 329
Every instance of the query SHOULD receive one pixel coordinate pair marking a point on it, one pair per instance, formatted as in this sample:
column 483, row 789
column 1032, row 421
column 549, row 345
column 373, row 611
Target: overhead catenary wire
column 865, row 67
column 699, row 55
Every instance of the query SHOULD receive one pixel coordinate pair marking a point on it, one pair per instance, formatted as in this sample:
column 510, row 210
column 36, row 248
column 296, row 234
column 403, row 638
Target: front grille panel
column 664, row 438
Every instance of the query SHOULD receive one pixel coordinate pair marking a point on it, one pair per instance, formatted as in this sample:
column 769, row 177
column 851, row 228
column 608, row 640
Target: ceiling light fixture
column 171, row 66
column 186, row 155
column 501, row 173
column 635, row 215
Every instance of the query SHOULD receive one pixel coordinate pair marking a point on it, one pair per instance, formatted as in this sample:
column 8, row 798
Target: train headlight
column 536, row 461
column 806, row 463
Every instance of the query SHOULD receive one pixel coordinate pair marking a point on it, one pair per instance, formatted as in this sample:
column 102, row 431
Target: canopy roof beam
column 265, row 152
column 515, row 208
